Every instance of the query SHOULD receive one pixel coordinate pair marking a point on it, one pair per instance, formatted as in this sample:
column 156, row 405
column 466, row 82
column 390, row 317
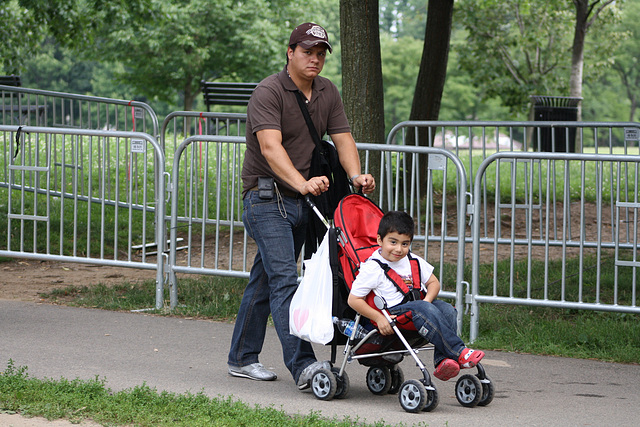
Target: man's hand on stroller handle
column 364, row 183
column 319, row 184
column 315, row 185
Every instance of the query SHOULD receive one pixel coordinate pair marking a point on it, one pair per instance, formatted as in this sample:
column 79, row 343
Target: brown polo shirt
column 273, row 105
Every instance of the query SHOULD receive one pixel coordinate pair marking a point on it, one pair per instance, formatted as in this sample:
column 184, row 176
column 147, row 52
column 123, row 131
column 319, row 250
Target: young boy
column 434, row 319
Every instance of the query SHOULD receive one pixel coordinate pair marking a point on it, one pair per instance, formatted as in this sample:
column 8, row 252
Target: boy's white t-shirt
column 371, row 276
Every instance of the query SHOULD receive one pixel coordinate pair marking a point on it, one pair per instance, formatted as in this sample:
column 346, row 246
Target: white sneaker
column 255, row 371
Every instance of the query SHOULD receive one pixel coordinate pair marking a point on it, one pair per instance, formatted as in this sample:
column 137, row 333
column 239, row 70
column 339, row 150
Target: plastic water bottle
column 346, row 327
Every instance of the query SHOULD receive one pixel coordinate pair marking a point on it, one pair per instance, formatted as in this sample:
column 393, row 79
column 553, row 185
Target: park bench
column 11, row 80
column 226, row 93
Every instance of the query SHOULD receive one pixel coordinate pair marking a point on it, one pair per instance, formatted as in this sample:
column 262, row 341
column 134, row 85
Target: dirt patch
column 26, row 279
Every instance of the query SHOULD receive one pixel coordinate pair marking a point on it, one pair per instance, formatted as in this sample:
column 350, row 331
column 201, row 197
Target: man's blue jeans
column 279, row 229
column 436, row 322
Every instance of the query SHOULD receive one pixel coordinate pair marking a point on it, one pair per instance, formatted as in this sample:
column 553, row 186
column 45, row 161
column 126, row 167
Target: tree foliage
column 169, row 46
column 627, row 59
column 190, row 40
column 403, row 18
column 400, row 64
column 20, row 35
column 79, row 22
column 502, row 51
column 517, row 48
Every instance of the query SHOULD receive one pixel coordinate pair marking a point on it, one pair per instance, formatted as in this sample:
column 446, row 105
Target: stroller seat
column 403, row 320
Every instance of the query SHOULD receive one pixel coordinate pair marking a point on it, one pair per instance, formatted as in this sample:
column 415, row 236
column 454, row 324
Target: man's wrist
column 353, row 178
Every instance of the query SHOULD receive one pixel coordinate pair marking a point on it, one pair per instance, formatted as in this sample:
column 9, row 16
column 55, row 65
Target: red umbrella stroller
column 354, row 235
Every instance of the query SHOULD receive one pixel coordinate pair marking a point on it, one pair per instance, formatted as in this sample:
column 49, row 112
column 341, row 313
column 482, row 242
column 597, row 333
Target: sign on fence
column 137, row 146
column 631, row 134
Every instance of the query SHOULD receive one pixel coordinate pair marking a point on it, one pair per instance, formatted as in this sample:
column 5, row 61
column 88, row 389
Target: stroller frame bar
column 382, row 305
column 317, row 211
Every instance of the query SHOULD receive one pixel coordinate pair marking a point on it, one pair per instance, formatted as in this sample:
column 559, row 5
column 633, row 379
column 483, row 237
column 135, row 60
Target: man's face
column 306, row 63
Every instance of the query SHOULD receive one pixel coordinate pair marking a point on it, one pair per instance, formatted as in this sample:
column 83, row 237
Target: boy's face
column 394, row 246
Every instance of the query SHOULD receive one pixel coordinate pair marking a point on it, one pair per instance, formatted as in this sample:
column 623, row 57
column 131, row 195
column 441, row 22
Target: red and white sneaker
column 446, row 370
column 470, row 358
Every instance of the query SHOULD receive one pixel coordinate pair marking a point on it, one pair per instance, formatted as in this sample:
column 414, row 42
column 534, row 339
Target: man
column 279, row 147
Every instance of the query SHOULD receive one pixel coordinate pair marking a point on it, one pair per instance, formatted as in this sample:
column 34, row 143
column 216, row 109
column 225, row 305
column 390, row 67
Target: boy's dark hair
column 398, row 221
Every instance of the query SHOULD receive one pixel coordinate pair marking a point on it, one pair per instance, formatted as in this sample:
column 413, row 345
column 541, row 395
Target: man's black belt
column 284, row 191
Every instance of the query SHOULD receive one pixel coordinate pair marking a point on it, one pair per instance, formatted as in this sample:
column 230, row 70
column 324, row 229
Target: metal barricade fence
column 550, row 238
column 36, row 107
column 521, row 203
column 513, row 202
column 473, row 142
column 206, row 168
column 84, row 196
column 21, row 106
column 179, row 125
column 206, row 210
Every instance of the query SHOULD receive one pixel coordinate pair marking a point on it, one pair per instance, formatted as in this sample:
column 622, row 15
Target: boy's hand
column 384, row 326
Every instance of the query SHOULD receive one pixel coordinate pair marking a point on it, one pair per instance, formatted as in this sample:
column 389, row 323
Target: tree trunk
column 189, row 95
column 586, row 13
column 432, row 75
column 362, row 90
column 577, row 50
column 433, row 66
column 189, row 98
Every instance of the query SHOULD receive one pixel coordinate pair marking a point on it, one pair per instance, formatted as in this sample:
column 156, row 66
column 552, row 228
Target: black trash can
column 556, row 109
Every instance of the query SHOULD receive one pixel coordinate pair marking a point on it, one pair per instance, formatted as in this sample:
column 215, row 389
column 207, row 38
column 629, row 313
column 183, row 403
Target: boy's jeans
column 272, row 282
column 436, row 322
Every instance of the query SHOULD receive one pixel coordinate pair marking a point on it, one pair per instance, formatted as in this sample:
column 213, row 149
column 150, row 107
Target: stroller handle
column 313, row 206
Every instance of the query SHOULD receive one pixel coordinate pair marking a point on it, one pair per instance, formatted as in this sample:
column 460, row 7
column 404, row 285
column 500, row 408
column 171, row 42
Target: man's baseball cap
column 308, row 35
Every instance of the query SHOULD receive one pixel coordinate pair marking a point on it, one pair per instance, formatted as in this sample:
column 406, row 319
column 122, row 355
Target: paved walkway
column 180, row 355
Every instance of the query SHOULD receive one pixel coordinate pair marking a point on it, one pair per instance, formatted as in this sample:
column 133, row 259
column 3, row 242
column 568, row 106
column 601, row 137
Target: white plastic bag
column 310, row 310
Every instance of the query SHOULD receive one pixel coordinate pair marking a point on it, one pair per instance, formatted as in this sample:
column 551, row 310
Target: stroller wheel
column 432, row 400
column 487, row 392
column 379, row 380
column 324, row 384
column 397, row 378
column 468, row 391
column 342, row 383
column 412, row 396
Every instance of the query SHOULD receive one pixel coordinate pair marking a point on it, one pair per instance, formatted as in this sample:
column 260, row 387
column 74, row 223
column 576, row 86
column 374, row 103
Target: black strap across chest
column 307, row 118
column 411, row 292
